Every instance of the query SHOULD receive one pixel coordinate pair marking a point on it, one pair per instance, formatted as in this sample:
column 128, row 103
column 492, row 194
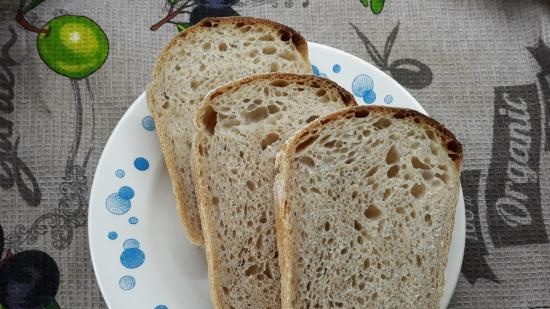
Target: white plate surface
column 141, row 257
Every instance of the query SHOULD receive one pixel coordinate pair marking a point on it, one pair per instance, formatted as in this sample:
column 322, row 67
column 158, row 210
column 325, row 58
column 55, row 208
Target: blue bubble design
column 127, row 283
column 161, row 307
column 133, row 220
column 120, row 173
column 148, row 123
column 126, row 193
column 369, row 97
column 336, row 68
column 117, row 205
column 141, row 164
column 315, row 70
column 112, row 235
column 388, row 99
column 130, row 244
column 318, row 73
column 361, row 84
column 132, row 258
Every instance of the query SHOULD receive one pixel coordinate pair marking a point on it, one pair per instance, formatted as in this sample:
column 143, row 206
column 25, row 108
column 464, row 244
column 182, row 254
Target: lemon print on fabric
column 74, row 46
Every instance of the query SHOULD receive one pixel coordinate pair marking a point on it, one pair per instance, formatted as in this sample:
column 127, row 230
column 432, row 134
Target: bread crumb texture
column 242, row 129
column 205, row 56
column 371, row 207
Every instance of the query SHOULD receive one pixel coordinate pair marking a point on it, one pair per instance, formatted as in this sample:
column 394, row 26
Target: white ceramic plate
column 141, row 257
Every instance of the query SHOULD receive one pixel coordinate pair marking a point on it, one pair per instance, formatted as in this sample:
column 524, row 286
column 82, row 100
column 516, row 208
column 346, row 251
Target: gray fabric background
column 471, row 47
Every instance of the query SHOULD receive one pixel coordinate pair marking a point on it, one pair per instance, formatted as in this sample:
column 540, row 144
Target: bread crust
column 194, row 234
column 193, row 230
column 297, row 39
column 453, row 146
column 283, row 207
column 346, row 97
column 205, row 211
column 203, row 201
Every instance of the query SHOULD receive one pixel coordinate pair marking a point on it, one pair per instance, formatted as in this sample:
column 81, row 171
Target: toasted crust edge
column 203, row 202
column 281, row 186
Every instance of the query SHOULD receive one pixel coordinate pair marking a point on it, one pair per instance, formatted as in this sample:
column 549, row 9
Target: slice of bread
column 365, row 203
column 208, row 55
column 240, row 128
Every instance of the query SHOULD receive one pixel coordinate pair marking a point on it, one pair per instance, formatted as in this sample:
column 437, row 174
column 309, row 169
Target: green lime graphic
column 74, row 46
column 376, row 6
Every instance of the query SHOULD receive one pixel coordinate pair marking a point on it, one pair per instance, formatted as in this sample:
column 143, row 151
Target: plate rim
column 460, row 216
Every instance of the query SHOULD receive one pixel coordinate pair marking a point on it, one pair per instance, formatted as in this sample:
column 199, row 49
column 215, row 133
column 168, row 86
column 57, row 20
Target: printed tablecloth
column 480, row 67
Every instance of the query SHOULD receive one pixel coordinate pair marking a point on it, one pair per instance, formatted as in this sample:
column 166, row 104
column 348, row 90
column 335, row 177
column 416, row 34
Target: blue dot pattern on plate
column 112, row 235
column 361, row 84
column 148, row 123
column 130, row 244
column 161, row 307
column 117, row 205
column 315, row 70
column 126, row 193
column 363, row 87
column 388, row 99
column 127, row 283
column 132, row 258
column 120, row 173
column 133, row 220
column 369, row 97
column 141, row 164
column 336, row 68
